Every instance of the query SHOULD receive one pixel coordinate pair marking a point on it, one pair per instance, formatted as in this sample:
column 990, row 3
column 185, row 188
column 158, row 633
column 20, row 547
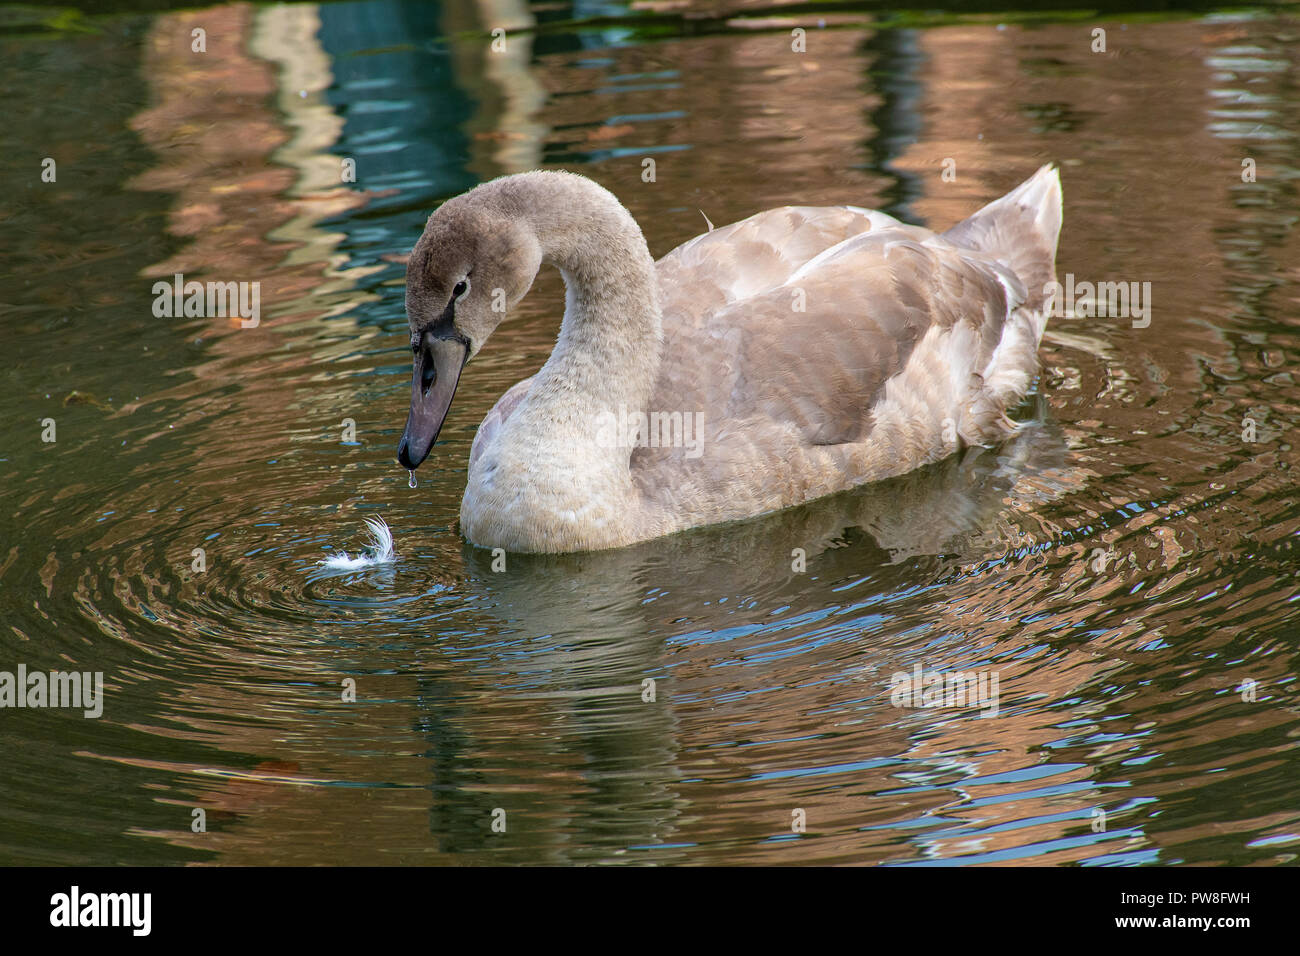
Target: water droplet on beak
column 411, row 483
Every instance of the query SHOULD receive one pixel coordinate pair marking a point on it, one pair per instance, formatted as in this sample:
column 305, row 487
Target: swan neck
column 610, row 340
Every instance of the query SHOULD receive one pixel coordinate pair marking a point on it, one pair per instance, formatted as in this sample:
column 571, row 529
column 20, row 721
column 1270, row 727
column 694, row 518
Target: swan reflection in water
column 611, row 646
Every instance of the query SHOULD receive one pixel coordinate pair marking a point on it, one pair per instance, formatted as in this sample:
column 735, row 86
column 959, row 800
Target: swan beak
column 433, row 385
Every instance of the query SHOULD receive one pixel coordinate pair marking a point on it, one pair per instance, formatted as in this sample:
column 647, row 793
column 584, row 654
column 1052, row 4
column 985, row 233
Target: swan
column 797, row 353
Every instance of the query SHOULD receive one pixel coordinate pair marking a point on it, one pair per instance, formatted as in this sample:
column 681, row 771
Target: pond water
column 1127, row 567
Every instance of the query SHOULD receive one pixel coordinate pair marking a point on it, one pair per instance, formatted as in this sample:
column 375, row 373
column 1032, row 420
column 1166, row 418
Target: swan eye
column 461, row 288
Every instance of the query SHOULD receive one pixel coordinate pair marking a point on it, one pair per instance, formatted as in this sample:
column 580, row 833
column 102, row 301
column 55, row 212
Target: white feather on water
column 379, row 551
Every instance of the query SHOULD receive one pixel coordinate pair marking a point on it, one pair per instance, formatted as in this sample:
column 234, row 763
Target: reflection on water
column 1127, row 565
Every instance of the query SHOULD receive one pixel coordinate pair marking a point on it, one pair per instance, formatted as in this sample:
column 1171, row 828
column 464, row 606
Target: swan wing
column 809, row 360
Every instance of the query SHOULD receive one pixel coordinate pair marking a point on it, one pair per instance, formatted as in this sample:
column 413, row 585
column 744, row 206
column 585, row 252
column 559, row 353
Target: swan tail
column 1020, row 230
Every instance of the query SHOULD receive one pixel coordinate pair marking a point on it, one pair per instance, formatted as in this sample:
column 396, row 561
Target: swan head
column 473, row 263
